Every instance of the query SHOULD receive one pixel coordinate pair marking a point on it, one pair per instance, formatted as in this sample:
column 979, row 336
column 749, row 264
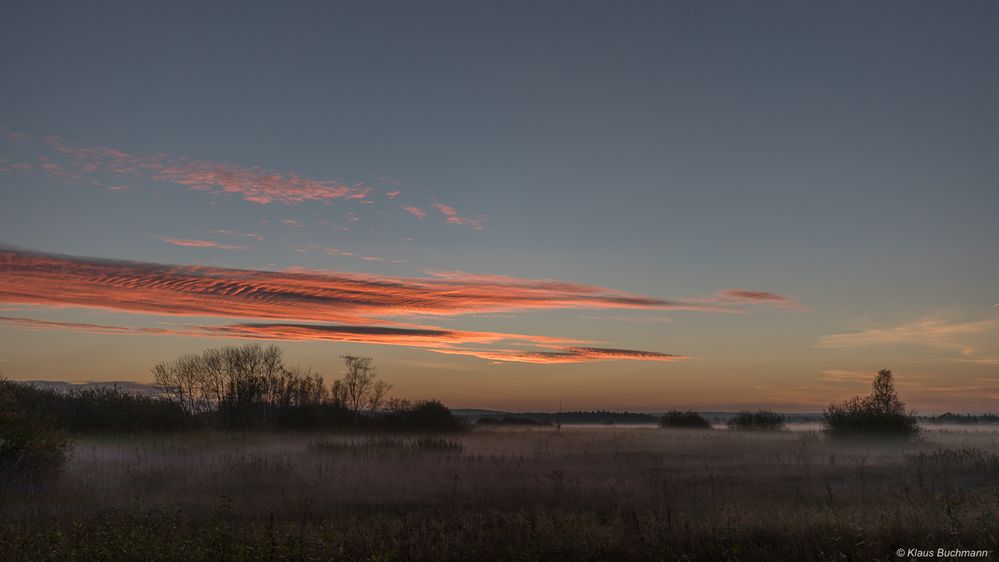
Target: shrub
column 100, row 409
column 31, row 449
column 880, row 414
column 684, row 420
column 760, row 420
column 428, row 415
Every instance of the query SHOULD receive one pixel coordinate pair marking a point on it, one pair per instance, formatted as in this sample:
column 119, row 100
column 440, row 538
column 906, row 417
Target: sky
column 516, row 205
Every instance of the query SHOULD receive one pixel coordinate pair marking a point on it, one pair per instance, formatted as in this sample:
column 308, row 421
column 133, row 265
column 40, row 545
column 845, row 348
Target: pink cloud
column 416, row 211
column 252, row 235
column 478, row 223
column 201, row 244
column 392, row 194
column 252, row 184
column 745, row 296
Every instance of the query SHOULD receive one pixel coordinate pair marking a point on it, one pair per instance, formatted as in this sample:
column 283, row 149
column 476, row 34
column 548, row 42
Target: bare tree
column 377, row 395
column 359, row 388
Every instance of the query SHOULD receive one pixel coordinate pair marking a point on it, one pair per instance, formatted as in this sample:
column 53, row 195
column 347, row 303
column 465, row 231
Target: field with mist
column 527, row 493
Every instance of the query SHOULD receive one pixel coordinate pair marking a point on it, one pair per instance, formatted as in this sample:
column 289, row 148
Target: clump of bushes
column 31, row 448
column 684, row 420
column 94, row 410
column 880, row 414
column 426, row 415
column 760, row 420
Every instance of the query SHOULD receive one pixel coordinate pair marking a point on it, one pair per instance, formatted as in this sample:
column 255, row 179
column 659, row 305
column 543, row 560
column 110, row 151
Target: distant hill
column 127, row 386
column 601, row 417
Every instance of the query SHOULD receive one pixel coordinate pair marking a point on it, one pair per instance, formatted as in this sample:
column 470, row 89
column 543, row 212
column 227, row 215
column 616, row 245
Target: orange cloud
column 478, row 223
column 420, row 336
column 433, row 339
column 253, row 184
column 37, row 278
column 201, row 244
column 360, row 303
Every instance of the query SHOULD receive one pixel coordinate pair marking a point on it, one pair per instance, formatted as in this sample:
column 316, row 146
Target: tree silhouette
column 880, row 413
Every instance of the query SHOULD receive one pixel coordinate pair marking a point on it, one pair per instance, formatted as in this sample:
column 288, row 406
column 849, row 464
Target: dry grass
column 611, row 493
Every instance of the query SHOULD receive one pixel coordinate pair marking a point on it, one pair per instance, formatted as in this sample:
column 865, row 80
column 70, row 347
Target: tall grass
column 588, row 494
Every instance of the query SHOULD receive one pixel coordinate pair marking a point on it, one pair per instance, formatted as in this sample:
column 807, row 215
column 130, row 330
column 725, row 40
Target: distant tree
column 760, row 420
column 244, row 385
column 881, row 413
column 685, row 420
column 359, row 389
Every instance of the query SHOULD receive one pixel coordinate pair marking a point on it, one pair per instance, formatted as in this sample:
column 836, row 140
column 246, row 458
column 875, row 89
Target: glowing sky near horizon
column 637, row 206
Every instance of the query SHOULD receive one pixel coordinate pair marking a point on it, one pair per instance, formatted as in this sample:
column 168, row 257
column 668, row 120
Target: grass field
column 525, row 494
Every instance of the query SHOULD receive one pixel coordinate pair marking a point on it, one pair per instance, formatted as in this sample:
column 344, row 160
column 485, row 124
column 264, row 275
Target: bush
column 880, row 414
column 31, row 449
column 428, row 415
column 760, row 420
column 684, row 420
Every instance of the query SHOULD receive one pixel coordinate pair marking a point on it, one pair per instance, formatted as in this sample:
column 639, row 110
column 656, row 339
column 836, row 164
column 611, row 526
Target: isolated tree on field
column 880, row 413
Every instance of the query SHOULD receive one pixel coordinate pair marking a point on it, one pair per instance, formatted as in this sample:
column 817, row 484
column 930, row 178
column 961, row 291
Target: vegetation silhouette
column 760, row 420
column 250, row 387
column 879, row 414
column 684, row 420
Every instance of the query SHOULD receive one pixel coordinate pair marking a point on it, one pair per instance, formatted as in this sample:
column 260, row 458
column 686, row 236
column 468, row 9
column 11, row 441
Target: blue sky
column 840, row 155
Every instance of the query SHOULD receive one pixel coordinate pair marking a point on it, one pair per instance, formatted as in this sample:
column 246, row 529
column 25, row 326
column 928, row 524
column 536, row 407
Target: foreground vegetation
column 529, row 494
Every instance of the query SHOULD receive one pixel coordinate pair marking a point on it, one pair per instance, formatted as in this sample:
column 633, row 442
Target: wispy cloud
column 252, row 235
column 452, row 217
column 415, row 211
column 201, row 244
column 44, row 325
column 392, row 194
column 252, row 184
column 746, row 296
column 975, row 341
column 564, row 355
column 344, row 253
